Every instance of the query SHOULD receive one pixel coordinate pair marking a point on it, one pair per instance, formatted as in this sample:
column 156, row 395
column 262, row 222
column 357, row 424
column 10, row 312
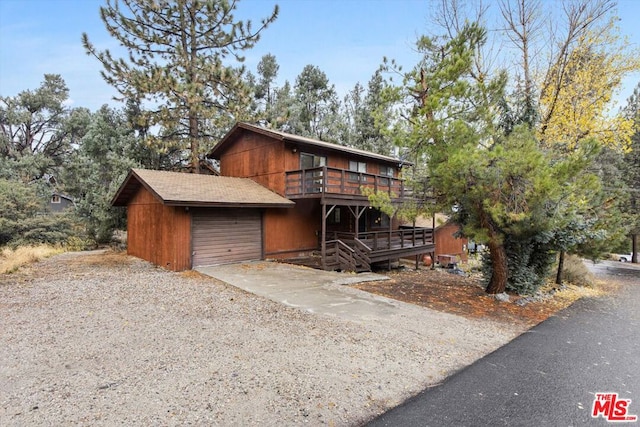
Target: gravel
column 100, row 339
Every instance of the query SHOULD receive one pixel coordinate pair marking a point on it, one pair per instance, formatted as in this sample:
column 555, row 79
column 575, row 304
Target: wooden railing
column 341, row 256
column 326, row 180
column 361, row 255
column 393, row 239
column 350, row 253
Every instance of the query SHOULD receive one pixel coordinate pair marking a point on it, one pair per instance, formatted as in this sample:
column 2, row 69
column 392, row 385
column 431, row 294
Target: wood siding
column 290, row 232
column 257, row 157
column 222, row 236
column 447, row 244
column 157, row 233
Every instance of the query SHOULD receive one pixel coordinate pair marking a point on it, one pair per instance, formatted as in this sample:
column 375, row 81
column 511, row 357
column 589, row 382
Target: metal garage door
column 222, row 236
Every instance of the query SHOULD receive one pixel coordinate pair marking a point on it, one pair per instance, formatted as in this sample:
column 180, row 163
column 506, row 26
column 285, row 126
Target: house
column 59, row 202
column 331, row 214
column 315, row 203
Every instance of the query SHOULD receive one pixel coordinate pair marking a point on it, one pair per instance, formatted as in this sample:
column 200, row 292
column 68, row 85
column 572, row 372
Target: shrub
column 529, row 263
column 576, row 273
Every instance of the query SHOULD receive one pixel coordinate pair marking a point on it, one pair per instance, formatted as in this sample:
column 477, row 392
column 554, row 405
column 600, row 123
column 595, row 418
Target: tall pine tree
column 178, row 65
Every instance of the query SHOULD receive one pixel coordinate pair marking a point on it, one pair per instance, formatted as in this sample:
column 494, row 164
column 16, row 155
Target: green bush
column 25, row 220
column 529, row 263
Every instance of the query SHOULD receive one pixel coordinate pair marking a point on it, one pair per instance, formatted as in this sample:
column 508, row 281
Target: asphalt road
column 548, row 376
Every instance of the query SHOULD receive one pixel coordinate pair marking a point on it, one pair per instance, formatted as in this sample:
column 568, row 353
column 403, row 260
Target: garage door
column 222, row 236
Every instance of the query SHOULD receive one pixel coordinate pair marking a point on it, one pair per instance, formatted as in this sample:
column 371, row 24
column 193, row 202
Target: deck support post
column 323, row 238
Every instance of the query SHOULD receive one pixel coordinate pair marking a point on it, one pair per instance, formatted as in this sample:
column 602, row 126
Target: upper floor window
column 357, row 166
column 360, row 167
column 55, row 198
column 308, row 161
column 386, row 171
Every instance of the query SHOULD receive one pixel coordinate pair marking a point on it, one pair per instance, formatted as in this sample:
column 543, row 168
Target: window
column 360, row 167
column 55, row 199
column 380, row 220
column 312, row 179
column 357, row 166
column 334, row 216
column 385, row 171
column 308, row 161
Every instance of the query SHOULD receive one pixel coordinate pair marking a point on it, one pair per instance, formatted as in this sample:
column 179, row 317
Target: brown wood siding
column 157, row 233
column 257, row 157
column 222, row 236
column 447, row 244
column 292, row 231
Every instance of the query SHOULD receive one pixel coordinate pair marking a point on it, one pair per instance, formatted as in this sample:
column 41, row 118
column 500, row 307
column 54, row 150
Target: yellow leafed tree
column 575, row 101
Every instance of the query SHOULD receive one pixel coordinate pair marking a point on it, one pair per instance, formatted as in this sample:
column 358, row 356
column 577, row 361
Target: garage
column 221, row 236
column 181, row 220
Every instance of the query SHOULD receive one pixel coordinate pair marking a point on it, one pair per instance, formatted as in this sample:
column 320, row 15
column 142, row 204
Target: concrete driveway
column 309, row 289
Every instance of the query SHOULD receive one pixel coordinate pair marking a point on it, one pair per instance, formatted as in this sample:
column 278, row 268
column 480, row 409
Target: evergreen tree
column 37, row 130
column 104, row 157
column 365, row 117
column 316, row 106
column 177, row 66
column 631, row 174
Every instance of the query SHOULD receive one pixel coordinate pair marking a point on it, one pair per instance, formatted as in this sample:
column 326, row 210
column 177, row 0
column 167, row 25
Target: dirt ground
column 441, row 290
column 106, row 339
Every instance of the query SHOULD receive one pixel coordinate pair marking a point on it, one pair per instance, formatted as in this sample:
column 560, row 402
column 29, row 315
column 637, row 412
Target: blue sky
column 347, row 39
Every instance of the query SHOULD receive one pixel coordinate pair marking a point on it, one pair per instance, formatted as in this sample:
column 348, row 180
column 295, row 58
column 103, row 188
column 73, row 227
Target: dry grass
column 103, row 258
column 12, row 259
column 576, row 273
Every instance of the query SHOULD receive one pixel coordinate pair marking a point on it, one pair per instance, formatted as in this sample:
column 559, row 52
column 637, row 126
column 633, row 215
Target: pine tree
column 178, row 66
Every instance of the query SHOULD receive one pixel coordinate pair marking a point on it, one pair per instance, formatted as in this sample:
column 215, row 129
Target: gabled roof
column 186, row 189
column 62, row 196
column 239, row 127
column 439, row 219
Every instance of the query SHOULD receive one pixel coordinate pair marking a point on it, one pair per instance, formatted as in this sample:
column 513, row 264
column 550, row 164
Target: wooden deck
column 358, row 251
column 348, row 251
column 321, row 181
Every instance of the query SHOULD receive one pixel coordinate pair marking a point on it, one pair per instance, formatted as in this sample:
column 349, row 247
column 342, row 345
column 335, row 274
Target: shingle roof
column 283, row 136
column 186, row 189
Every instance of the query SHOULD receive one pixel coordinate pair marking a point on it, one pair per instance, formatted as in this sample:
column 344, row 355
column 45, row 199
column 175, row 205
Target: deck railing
column 349, row 252
column 386, row 240
column 327, row 180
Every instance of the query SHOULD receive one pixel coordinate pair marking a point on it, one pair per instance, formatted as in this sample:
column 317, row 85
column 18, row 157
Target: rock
column 457, row 271
column 503, row 297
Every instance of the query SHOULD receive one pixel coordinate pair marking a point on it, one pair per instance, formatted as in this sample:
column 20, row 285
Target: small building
column 450, row 247
column 181, row 220
column 319, row 185
column 59, row 202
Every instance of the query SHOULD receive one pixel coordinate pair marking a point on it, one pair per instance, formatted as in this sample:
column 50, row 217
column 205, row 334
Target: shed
column 180, row 220
column 447, row 239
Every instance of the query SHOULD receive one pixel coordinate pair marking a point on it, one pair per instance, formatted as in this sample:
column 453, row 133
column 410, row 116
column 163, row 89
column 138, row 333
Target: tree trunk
column 500, row 272
column 634, row 248
column 195, row 146
column 560, row 268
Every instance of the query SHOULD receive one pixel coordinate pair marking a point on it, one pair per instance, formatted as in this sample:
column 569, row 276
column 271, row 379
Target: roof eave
column 197, row 204
column 141, row 182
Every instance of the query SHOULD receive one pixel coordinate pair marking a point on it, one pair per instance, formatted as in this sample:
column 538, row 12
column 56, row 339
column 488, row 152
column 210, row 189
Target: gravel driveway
column 104, row 339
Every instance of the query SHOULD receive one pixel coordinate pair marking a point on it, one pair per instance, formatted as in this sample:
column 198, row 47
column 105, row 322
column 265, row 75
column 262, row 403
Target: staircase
column 351, row 256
